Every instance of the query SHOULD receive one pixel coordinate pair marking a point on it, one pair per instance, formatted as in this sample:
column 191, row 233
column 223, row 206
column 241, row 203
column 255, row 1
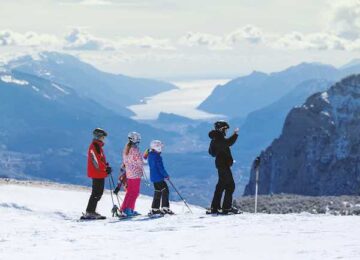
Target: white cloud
column 11, row 38
column 78, row 39
column 81, row 40
column 346, row 19
column 250, row 33
column 147, row 43
column 212, row 42
column 345, row 36
column 316, row 41
column 247, row 34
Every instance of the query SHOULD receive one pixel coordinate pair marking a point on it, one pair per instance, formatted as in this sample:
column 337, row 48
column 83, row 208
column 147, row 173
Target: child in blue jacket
column 158, row 175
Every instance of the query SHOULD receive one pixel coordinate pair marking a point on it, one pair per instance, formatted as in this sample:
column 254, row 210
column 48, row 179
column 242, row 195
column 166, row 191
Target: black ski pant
column 226, row 183
column 96, row 193
column 161, row 195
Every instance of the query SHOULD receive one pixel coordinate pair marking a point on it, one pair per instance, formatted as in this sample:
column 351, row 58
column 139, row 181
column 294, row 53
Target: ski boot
column 129, row 213
column 121, row 214
column 212, row 211
column 231, row 211
column 166, row 210
column 155, row 213
column 135, row 213
column 92, row 216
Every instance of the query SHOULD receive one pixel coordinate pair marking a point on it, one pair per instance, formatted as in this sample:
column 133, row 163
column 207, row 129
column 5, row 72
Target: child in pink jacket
column 133, row 162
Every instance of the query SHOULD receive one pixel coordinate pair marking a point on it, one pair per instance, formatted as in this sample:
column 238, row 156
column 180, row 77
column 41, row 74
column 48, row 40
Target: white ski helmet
column 156, row 145
column 134, row 137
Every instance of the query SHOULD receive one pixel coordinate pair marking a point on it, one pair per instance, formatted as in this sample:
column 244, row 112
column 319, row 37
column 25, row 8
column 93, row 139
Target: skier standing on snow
column 134, row 169
column 98, row 169
column 220, row 148
column 158, row 175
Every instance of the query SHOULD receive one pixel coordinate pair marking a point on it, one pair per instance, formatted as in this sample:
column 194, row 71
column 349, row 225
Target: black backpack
column 212, row 150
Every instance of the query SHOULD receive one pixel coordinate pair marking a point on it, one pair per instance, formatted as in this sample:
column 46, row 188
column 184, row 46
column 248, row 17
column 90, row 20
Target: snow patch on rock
column 35, row 88
column 60, row 89
column 11, row 79
column 325, row 97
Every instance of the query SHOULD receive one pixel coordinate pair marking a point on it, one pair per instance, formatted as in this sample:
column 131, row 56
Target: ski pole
column 179, row 195
column 115, row 208
column 147, row 182
column 256, row 189
column 117, row 196
column 256, row 164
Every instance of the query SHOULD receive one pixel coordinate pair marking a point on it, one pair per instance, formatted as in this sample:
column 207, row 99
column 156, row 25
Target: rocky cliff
column 318, row 152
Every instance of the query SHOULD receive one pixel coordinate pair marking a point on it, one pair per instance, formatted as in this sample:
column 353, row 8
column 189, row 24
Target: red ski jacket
column 96, row 161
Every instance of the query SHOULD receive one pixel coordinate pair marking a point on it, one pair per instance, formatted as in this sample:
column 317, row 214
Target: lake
column 182, row 101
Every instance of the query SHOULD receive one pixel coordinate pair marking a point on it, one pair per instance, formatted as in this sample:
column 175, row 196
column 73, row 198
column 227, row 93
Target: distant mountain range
column 318, row 151
column 244, row 95
column 45, row 130
column 261, row 126
column 50, row 103
column 46, row 127
column 112, row 91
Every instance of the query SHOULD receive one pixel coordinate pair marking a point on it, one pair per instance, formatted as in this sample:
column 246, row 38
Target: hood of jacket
column 215, row 134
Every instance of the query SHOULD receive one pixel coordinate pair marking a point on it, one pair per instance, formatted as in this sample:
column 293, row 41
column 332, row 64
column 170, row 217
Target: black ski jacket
column 220, row 148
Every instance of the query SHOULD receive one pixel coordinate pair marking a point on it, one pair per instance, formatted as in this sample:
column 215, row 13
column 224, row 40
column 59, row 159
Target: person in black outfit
column 96, row 194
column 161, row 194
column 220, row 149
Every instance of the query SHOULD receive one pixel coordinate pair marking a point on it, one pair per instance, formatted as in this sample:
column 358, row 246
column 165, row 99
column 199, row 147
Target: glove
column 117, row 189
column 108, row 170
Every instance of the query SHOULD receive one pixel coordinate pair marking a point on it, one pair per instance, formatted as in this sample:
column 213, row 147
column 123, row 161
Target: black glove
column 108, row 170
column 117, row 189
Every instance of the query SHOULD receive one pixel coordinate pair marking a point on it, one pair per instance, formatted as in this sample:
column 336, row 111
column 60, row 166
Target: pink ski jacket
column 133, row 163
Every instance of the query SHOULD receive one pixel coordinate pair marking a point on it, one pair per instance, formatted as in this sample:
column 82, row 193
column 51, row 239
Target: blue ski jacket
column 157, row 169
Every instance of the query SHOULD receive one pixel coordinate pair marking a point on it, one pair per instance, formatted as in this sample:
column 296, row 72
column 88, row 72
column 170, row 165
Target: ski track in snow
column 41, row 223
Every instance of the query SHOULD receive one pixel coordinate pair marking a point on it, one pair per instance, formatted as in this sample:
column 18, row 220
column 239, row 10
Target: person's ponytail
column 127, row 148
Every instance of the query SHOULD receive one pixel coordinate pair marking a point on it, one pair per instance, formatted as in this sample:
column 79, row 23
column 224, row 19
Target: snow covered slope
column 39, row 222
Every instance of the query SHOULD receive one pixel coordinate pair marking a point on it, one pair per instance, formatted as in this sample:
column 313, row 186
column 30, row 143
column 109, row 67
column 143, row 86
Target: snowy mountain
column 318, row 150
column 38, row 222
column 114, row 92
column 244, row 95
column 45, row 128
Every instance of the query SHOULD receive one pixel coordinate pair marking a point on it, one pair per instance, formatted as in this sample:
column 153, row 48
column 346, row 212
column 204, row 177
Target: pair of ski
column 86, row 218
column 123, row 218
column 140, row 217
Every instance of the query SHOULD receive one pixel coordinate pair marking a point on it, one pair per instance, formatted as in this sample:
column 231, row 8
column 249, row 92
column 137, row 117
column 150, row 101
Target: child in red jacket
column 98, row 169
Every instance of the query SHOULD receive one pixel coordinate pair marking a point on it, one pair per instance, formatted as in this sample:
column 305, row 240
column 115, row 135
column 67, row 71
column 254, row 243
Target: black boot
column 231, row 211
column 213, row 211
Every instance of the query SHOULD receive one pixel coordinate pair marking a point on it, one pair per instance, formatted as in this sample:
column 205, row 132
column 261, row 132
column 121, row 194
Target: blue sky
column 185, row 39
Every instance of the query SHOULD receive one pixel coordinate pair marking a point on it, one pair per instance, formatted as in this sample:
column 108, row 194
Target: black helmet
column 221, row 125
column 98, row 133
